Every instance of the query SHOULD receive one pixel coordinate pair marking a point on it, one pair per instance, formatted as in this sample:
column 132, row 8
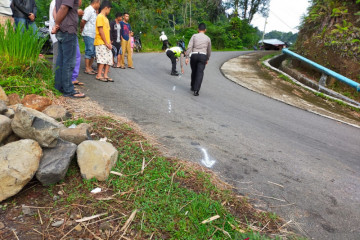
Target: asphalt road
column 302, row 166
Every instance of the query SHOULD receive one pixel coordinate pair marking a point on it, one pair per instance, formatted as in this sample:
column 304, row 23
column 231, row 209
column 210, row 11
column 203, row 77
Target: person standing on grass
column 200, row 50
column 5, row 12
column 65, row 28
column 87, row 28
column 116, row 38
column 52, row 16
column 24, row 13
column 125, row 41
column 102, row 43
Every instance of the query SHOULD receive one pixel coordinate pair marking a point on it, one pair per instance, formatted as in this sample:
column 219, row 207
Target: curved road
column 304, row 167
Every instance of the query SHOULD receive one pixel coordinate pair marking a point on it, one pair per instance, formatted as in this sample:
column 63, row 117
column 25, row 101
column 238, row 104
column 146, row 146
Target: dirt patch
column 248, row 72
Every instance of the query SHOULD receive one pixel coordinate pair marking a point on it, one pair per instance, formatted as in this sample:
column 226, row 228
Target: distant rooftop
column 272, row 42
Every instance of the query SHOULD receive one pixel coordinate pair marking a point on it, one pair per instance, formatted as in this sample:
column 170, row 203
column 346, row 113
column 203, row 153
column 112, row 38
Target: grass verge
column 151, row 196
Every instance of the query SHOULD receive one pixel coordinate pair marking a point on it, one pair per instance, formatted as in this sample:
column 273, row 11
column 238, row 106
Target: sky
column 284, row 16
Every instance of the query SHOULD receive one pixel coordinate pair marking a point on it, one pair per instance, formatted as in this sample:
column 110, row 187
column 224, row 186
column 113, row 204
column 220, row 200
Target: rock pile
column 34, row 143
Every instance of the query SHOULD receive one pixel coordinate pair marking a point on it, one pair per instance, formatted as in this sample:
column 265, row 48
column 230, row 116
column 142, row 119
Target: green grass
column 266, row 57
column 172, row 200
column 21, row 70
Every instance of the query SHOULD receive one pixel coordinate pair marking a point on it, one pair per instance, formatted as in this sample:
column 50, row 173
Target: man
column 87, row 28
column 5, row 12
column 165, row 41
column 24, row 13
column 65, row 28
column 125, row 41
column 174, row 53
column 116, row 38
column 200, row 50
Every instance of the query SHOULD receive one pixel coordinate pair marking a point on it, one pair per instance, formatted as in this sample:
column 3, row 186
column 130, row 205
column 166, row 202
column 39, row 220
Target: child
column 132, row 42
column 102, row 43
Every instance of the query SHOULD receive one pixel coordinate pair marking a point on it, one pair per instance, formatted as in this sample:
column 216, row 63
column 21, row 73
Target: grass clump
column 21, row 69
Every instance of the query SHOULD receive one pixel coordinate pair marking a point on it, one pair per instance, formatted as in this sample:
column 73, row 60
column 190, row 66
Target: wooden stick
column 143, row 166
column 172, row 179
column 225, row 232
column 285, row 224
column 15, row 234
column 265, row 226
column 41, row 222
column 90, row 218
column 151, row 235
column 67, row 233
column 36, row 207
column 210, row 219
column 117, row 173
column 39, row 232
column 128, row 222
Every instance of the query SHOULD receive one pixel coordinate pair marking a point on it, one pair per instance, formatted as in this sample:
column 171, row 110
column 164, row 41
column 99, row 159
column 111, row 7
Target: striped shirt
column 5, row 9
column 199, row 43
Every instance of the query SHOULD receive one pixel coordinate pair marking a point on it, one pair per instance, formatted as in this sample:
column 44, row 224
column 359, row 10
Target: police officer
column 199, row 51
column 174, row 53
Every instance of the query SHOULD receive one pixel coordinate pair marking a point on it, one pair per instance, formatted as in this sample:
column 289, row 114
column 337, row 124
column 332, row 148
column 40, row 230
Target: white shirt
column 52, row 21
column 5, row 9
column 163, row 37
column 90, row 18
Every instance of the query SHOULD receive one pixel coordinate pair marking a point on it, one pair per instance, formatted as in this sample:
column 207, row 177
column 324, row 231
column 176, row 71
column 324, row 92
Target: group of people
column 106, row 41
column 199, row 52
column 103, row 40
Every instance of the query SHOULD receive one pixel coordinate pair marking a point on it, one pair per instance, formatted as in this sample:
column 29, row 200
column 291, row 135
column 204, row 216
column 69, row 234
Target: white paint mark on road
column 174, row 88
column 209, row 163
column 170, row 108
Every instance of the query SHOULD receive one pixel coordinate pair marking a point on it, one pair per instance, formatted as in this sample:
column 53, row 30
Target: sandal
column 109, row 79
column 101, row 79
column 78, row 83
column 90, row 72
column 76, row 95
column 132, row 67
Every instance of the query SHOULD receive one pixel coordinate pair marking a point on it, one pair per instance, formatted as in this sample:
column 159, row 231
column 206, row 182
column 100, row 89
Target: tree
column 246, row 9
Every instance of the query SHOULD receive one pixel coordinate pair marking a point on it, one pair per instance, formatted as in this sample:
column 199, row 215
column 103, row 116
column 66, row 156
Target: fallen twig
column 128, row 222
column 90, row 218
column 15, row 234
column 41, row 221
column 117, row 173
column 172, row 179
column 37, row 207
column 39, row 232
column 210, row 219
column 225, row 232
column 99, row 238
column 67, row 233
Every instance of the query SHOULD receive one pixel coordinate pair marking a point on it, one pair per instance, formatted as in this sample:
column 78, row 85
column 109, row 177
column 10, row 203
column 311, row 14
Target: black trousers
column 172, row 57
column 165, row 44
column 197, row 64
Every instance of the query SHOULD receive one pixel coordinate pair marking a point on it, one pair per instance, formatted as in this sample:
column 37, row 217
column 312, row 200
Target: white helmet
column 162, row 33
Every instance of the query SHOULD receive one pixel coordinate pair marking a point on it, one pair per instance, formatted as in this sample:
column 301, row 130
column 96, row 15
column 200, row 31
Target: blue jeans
column 89, row 47
column 65, row 62
column 23, row 22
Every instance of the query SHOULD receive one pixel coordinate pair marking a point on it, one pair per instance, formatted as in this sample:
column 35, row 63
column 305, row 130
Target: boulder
column 55, row 162
column 10, row 113
column 75, row 135
column 3, row 96
column 5, row 127
column 14, row 99
column 36, row 102
column 95, row 159
column 3, row 107
column 19, row 162
column 31, row 124
column 57, row 112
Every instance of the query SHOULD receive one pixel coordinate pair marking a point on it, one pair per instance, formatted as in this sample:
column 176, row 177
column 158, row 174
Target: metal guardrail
column 324, row 70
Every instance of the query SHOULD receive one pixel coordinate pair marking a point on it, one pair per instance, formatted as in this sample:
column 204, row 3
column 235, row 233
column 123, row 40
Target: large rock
column 5, row 127
column 57, row 112
column 75, row 135
column 10, row 113
column 95, row 159
column 3, row 96
column 19, row 162
column 3, row 107
column 14, row 99
column 55, row 162
column 29, row 123
column 36, row 102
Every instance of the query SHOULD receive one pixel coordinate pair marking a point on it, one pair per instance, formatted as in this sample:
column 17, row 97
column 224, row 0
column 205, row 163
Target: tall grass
column 19, row 44
column 21, row 70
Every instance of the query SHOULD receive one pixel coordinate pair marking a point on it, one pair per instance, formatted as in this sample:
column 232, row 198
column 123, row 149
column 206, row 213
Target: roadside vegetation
column 21, row 69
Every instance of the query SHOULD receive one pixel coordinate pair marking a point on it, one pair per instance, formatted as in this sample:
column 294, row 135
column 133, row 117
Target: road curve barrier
column 326, row 72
